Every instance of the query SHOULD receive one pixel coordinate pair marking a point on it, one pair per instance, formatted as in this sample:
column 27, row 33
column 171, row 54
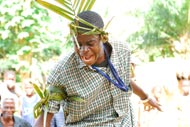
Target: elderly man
column 7, row 118
column 98, row 72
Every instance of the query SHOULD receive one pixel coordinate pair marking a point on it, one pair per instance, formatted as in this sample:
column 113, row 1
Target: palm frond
column 38, row 90
column 66, row 13
column 89, row 5
column 51, row 93
column 81, row 5
column 108, row 23
column 68, row 8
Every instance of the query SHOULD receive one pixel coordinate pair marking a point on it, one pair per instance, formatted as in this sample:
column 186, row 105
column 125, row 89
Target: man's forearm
column 138, row 91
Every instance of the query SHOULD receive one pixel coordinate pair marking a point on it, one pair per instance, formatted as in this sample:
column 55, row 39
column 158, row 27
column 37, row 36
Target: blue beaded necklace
column 117, row 82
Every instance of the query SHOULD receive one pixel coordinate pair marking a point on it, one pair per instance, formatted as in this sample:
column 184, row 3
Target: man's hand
column 151, row 105
column 40, row 120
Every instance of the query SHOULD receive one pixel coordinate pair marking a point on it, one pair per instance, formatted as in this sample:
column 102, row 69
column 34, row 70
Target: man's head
column 92, row 18
column 8, row 107
column 183, row 79
column 10, row 79
column 91, row 47
column 28, row 87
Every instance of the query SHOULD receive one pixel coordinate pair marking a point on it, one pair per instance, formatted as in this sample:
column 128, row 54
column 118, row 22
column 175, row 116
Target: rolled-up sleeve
column 53, row 80
column 53, row 106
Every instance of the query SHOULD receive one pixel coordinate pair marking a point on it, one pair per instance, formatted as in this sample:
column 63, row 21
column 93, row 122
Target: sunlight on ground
column 162, row 74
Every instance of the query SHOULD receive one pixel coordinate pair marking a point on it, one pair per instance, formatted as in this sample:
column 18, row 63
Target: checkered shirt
column 105, row 105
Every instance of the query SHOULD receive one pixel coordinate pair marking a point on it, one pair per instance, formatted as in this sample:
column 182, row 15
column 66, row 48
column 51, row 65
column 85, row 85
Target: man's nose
column 186, row 82
column 84, row 48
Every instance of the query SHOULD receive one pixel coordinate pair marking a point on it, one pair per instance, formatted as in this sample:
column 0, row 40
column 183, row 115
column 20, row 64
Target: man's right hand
column 40, row 120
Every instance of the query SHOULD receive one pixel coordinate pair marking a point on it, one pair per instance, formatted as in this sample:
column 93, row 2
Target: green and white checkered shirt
column 105, row 105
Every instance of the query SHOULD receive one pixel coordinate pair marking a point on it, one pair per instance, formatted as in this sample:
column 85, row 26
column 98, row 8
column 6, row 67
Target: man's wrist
column 146, row 99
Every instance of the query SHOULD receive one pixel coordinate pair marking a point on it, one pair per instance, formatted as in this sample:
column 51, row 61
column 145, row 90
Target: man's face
column 10, row 80
column 185, row 86
column 28, row 89
column 91, row 49
column 8, row 108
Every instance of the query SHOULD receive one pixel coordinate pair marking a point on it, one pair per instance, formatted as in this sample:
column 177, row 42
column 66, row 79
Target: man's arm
column 149, row 104
column 39, row 122
column 138, row 91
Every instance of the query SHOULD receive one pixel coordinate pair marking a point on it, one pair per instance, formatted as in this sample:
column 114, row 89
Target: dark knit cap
column 91, row 17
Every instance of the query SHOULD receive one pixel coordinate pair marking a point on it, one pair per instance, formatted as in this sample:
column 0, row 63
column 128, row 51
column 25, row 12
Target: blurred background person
column 28, row 101
column 182, row 97
column 7, row 118
column 9, row 87
column 10, row 83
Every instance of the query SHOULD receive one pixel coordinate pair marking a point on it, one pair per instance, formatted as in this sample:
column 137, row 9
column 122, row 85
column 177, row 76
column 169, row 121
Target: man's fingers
column 148, row 108
column 159, row 108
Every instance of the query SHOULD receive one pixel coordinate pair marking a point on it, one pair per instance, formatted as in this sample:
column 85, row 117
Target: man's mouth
column 7, row 115
column 86, row 58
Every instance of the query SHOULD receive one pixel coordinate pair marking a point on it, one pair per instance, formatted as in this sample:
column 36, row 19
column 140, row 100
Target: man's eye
column 90, row 44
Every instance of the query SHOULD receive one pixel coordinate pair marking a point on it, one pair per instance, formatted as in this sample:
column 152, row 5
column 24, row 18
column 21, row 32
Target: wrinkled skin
column 8, row 109
column 91, row 49
column 29, row 89
column 10, row 81
column 184, row 87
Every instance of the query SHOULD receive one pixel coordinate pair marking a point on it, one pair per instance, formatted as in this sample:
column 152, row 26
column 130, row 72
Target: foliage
column 69, row 10
column 51, row 93
column 166, row 23
column 26, row 34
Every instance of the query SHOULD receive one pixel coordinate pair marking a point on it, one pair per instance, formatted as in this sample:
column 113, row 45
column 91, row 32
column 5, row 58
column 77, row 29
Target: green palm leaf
column 38, row 90
column 89, row 5
column 61, row 11
column 65, row 4
column 76, row 3
column 68, row 8
column 51, row 93
column 75, row 98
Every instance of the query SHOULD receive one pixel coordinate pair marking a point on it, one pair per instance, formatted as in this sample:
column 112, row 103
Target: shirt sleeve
column 53, row 106
column 53, row 80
